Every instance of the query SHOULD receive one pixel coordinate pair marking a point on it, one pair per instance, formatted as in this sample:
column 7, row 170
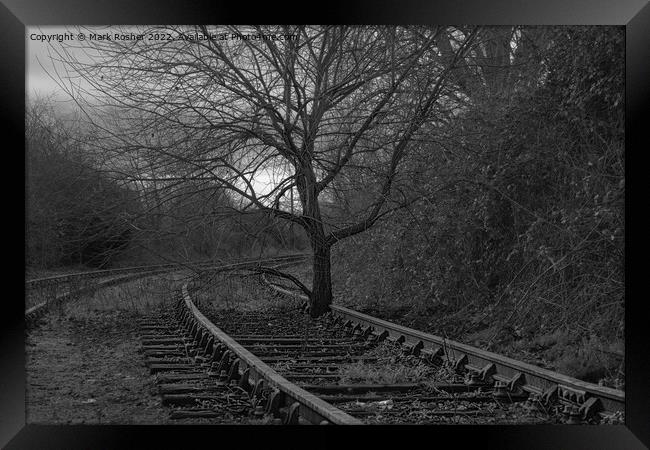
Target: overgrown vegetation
column 391, row 367
column 241, row 291
column 518, row 240
column 75, row 214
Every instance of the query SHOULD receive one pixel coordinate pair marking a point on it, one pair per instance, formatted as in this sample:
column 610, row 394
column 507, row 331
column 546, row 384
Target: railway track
column 50, row 291
column 203, row 373
column 283, row 368
column 558, row 397
column 193, row 265
column 356, row 371
column 184, row 376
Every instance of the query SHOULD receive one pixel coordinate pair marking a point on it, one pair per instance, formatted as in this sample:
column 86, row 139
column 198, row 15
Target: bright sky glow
column 41, row 69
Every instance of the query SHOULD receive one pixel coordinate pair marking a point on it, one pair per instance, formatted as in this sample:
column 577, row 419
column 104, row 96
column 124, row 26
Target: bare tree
column 302, row 108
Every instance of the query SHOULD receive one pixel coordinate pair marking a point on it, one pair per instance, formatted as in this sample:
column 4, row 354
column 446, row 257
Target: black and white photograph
column 326, row 225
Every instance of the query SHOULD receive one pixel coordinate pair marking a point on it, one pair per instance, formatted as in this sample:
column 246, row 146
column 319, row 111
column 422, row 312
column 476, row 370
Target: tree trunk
column 321, row 291
column 321, row 297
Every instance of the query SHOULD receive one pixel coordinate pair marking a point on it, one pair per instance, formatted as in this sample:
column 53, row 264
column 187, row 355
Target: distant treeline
column 78, row 214
column 75, row 214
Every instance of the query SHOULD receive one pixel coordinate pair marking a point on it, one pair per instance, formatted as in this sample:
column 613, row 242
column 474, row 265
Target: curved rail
column 549, row 386
column 35, row 282
column 140, row 271
column 41, row 307
column 255, row 373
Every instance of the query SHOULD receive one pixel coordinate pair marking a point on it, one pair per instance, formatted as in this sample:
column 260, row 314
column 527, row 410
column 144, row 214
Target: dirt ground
column 89, row 371
column 83, row 363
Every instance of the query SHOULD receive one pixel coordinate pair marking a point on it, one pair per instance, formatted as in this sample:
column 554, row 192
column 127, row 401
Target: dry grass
column 140, row 296
column 236, row 290
column 391, row 367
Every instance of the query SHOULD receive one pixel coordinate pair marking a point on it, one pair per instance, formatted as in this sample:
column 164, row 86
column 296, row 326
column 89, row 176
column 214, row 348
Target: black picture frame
column 634, row 15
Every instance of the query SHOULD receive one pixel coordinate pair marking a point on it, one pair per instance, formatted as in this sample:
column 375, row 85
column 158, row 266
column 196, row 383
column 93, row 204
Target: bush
column 521, row 222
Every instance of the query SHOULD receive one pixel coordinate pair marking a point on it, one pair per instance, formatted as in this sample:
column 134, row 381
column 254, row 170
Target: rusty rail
column 253, row 374
column 516, row 375
column 36, row 282
column 140, row 271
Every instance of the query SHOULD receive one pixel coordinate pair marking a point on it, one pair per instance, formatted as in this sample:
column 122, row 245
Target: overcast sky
column 38, row 82
column 39, row 62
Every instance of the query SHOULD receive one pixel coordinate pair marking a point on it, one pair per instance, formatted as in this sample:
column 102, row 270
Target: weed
column 391, row 368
